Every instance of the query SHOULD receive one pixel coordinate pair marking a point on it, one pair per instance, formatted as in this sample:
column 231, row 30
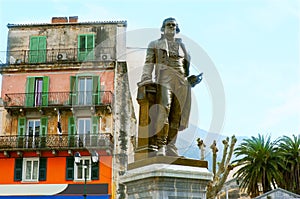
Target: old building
column 65, row 96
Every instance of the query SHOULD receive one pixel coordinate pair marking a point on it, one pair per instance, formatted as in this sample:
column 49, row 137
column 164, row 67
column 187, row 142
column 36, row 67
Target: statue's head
column 168, row 20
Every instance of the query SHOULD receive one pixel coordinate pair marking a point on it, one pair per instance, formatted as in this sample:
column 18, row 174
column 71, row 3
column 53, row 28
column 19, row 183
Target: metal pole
column 84, row 189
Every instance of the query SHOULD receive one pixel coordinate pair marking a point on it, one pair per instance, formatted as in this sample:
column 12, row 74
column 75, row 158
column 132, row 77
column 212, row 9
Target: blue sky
column 254, row 46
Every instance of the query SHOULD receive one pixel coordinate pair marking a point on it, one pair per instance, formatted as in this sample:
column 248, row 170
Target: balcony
column 58, row 99
column 19, row 57
column 56, row 142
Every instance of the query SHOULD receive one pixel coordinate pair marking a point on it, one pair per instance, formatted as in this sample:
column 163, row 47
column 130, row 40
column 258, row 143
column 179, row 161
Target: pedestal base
column 166, row 181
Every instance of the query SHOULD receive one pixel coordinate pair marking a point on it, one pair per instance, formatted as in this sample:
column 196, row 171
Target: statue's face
column 170, row 27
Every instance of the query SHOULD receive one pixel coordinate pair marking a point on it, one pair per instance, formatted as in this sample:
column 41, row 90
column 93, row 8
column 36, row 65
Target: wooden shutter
column 95, row 129
column 95, row 171
column 18, row 169
column 21, row 126
column 37, row 46
column 96, row 90
column 71, row 131
column 43, row 131
column 43, row 169
column 69, row 168
column 21, row 131
column 73, row 90
column 30, row 91
column 45, row 91
column 86, row 44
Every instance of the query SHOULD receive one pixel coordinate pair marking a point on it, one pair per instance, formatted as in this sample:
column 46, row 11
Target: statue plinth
column 146, row 146
column 167, row 177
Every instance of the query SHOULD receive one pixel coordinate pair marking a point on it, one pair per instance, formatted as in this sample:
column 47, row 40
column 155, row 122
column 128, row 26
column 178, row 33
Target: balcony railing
column 56, row 55
column 101, row 141
column 58, row 99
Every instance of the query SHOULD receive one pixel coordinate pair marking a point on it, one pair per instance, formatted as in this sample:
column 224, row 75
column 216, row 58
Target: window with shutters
column 86, row 169
column 83, row 132
column 86, row 43
column 30, row 169
column 37, row 52
column 37, row 91
column 85, row 90
column 32, row 133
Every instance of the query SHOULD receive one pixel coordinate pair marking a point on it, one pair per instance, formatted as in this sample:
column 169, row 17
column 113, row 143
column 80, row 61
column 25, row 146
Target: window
column 30, row 168
column 77, row 172
column 85, row 90
column 84, row 131
column 83, row 169
column 37, row 46
column 86, row 43
column 33, row 133
column 37, row 91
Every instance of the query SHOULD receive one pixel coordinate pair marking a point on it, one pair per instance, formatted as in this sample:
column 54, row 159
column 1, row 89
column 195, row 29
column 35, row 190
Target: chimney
column 59, row 20
column 73, row 19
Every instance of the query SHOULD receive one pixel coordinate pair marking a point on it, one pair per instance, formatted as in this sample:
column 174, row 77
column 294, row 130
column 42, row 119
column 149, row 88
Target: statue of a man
column 170, row 60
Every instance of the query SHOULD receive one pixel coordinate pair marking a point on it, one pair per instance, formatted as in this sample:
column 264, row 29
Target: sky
column 249, row 51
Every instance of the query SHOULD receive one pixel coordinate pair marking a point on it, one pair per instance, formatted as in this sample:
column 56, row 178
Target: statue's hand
column 144, row 82
column 195, row 79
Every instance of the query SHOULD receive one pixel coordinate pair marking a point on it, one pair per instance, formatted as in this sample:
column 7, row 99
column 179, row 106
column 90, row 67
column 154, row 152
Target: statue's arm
column 149, row 63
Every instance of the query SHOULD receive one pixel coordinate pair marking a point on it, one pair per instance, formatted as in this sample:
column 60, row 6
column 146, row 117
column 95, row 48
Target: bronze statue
column 170, row 60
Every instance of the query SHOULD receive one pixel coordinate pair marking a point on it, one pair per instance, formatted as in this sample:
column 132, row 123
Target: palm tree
column 258, row 159
column 290, row 148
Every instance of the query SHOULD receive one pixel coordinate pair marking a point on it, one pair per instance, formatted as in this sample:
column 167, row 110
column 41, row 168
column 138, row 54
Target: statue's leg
column 162, row 123
column 174, row 122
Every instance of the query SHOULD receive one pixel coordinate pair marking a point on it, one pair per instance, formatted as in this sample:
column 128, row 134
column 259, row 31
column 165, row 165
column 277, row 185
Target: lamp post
column 77, row 159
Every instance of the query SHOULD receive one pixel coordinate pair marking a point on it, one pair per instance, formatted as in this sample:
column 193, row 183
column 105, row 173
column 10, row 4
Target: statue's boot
column 161, row 140
column 172, row 137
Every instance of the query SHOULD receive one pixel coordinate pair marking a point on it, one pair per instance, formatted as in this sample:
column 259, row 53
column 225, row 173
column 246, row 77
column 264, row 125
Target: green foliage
column 268, row 163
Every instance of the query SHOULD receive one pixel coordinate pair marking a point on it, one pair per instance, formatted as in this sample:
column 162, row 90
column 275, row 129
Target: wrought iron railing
column 56, row 55
column 102, row 140
column 58, row 99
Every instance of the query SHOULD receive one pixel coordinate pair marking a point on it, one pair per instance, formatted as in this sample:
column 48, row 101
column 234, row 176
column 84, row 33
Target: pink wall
column 58, row 81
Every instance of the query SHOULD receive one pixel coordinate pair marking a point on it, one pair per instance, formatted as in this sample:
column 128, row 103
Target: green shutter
column 71, row 131
column 45, row 91
column 18, row 169
column 37, row 46
column 73, row 90
column 96, row 90
column 21, row 126
column 21, row 131
column 95, row 171
column 43, row 130
column 42, row 49
column 43, row 169
column 69, row 168
column 30, row 91
column 33, row 47
column 86, row 44
column 94, row 135
column 95, row 123
column 44, row 126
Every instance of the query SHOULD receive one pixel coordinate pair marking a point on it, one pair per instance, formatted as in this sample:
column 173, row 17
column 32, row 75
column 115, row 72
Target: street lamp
column 78, row 162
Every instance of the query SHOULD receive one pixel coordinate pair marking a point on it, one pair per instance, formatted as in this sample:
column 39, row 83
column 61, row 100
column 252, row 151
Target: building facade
column 65, row 92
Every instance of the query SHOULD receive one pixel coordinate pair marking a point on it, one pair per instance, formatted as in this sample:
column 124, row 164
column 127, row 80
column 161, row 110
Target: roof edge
column 122, row 22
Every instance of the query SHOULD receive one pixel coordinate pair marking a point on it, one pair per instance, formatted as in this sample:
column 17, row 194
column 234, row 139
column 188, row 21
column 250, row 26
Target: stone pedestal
column 146, row 145
column 164, row 177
